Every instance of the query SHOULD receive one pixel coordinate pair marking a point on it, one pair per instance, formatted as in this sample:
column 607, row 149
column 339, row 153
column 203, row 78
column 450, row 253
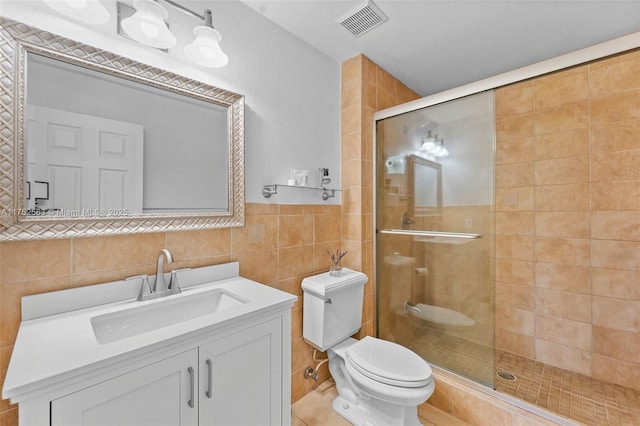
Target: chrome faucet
column 160, row 286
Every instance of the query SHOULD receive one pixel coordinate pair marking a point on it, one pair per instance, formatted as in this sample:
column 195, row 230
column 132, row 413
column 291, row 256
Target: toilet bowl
column 383, row 382
column 378, row 382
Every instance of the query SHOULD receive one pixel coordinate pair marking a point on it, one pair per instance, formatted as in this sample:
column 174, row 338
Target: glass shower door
column 434, row 246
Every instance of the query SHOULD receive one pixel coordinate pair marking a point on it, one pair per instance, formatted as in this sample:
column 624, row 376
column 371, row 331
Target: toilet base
column 353, row 413
column 361, row 416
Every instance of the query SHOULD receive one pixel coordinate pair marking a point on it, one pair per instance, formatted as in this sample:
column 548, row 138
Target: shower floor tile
column 574, row 396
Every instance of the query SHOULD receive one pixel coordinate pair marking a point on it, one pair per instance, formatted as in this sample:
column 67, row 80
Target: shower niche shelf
column 269, row 190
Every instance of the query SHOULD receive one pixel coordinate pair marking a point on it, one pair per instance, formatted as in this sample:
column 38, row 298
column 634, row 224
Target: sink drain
column 506, row 375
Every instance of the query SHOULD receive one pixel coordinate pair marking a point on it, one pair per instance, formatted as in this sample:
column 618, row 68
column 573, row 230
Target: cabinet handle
column 192, row 387
column 209, row 378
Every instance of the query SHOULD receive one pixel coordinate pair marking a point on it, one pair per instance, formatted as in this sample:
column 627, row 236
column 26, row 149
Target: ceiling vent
column 363, row 19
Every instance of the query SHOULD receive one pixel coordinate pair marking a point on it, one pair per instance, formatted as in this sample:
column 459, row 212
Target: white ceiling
column 434, row 45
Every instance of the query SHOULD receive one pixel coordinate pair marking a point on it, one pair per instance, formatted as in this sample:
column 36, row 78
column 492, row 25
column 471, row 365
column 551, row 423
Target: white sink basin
column 161, row 313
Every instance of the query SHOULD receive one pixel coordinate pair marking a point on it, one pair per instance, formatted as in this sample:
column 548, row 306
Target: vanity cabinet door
column 162, row 393
column 241, row 378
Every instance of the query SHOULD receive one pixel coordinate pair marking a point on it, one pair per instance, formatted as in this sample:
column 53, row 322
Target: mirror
column 425, row 181
column 102, row 144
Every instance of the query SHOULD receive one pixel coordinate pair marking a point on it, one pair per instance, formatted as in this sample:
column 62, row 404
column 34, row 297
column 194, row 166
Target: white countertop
column 63, row 346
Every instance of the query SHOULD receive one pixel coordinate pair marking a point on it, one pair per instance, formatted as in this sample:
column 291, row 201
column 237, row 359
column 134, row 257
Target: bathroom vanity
column 218, row 353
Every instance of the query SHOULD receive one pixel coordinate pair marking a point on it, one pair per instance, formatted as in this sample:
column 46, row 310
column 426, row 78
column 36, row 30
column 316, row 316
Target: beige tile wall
column 279, row 246
column 568, row 248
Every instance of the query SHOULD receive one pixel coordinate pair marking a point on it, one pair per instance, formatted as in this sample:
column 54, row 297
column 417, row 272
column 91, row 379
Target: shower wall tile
column 585, row 233
column 569, row 278
column 560, row 118
column 617, row 225
column 515, row 271
column 618, row 165
column 563, row 304
column 615, row 107
column 514, row 247
column 616, row 371
column 617, row 195
column 562, row 170
column 617, row 136
column 562, row 197
column 573, row 224
column 516, row 343
column 515, row 296
column 561, row 88
column 564, row 357
column 616, row 313
column 562, row 331
column 616, row 283
column 515, row 320
column 570, row 143
column 515, row 223
column 518, row 150
column 513, row 100
column 563, row 251
column 517, row 126
column 514, row 175
column 616, row 254
column 618, row 74
column 618, row 344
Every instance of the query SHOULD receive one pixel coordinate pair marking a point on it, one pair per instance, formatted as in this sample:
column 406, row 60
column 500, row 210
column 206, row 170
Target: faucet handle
column 174, row 285
column 145, row 288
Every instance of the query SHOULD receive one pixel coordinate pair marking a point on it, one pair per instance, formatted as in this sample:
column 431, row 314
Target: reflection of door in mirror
column 91, row 165
column 425, row 181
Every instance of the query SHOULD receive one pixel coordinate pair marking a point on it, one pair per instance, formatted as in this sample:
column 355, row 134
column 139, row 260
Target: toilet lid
column 389, row 363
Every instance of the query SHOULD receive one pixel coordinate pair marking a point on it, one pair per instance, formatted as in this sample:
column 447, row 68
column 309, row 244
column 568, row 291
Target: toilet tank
column 332, row 308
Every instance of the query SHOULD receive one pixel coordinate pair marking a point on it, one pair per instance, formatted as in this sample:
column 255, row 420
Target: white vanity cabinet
column 237, row 372
column 228, row 365
column 231, row 380
column 160, row 394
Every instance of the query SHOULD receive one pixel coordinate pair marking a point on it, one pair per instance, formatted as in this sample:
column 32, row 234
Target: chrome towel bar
column 418, row 233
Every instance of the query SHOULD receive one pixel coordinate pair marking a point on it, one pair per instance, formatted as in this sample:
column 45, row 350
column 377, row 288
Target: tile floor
column 571, row 395
column 314, row 409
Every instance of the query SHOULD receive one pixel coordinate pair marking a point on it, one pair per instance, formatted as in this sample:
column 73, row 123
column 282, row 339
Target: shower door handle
column 416, row 233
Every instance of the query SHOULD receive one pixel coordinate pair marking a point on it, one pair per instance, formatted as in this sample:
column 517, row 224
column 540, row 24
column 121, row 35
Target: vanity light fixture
column 205, row 50
column 88, row 11
column 148, row 26
column 434, row 147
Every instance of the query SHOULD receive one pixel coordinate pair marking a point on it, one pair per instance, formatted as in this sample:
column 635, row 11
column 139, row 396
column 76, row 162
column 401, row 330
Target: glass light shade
column 205, row 50
column 428, row 143
column 147, row 25
column 88, row 11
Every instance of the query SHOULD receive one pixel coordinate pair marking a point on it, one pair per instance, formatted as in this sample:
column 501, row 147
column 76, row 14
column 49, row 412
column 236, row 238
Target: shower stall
column 435, row 228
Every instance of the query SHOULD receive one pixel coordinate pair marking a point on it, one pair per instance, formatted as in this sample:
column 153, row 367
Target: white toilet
column 378, row 382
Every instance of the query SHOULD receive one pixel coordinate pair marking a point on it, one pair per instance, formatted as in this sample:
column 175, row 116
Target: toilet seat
column 389, row 363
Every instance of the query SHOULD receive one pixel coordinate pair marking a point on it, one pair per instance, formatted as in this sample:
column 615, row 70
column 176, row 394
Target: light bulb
column 150, row 30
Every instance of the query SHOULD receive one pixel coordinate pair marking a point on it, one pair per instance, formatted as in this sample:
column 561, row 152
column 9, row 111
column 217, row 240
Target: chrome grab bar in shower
column 430, row 233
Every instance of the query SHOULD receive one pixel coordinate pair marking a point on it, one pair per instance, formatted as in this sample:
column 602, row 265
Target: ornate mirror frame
column 16, row 40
